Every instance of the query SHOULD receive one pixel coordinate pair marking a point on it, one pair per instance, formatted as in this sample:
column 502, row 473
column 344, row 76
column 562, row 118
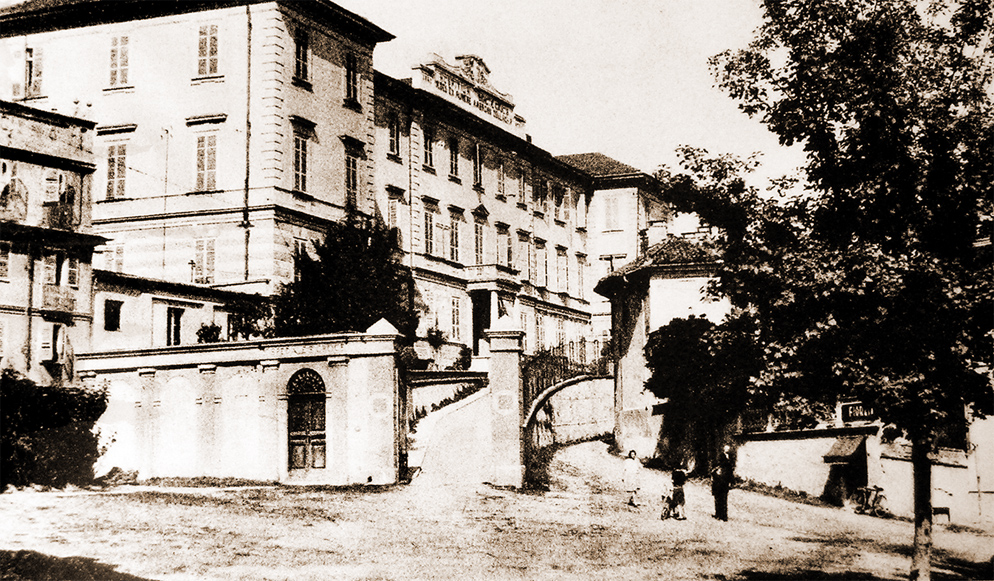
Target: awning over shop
column 844, row 448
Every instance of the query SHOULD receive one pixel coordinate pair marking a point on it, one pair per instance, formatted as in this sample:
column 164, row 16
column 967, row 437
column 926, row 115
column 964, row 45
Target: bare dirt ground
column 581, row 529
column 445, row 525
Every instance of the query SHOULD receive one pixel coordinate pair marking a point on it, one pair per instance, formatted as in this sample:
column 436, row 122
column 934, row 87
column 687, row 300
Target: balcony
column 59, row 216
column 492, row 273
column 58, row 299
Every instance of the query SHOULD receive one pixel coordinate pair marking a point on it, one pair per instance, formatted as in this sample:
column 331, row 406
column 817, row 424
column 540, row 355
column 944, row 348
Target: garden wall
column 224, row 410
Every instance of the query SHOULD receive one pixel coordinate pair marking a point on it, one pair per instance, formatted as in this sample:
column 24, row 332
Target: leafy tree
column 46, row 432
column 354, row 279
column 868, row 284
column 703, row 370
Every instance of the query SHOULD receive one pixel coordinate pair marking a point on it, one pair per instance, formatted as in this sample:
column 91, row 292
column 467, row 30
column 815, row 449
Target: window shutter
column 46, row 342
column 36, row 73
column 198, row 261
column 209, row 262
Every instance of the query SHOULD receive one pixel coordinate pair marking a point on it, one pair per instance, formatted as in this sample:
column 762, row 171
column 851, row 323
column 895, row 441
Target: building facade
column 132, row 312
column 626, row 216
column 219, row 157
column 490, row 224
column 46, row 241
column 218, row 160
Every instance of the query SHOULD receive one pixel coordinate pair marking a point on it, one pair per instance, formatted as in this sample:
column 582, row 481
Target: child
column 667, row 511
column 630, row 478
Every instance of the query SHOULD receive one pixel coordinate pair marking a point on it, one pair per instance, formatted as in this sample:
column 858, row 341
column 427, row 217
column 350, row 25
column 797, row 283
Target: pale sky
column 627, row 78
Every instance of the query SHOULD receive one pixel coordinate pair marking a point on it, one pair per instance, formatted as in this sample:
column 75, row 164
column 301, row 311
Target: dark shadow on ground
column 945, row 567
column 35, row 566
column 805, row 574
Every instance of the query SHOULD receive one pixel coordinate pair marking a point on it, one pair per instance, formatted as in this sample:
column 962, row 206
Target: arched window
column 306, row 420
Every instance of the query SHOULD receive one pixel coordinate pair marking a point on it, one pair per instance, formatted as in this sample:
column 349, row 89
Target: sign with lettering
column 447, row 83
column 856, row 412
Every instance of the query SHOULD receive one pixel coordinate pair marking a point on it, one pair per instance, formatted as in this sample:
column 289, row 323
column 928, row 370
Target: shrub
column 46, row 432
column 209, row 333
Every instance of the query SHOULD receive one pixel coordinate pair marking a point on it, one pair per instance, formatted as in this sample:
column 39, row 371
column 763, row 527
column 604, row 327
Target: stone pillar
column 506, row 407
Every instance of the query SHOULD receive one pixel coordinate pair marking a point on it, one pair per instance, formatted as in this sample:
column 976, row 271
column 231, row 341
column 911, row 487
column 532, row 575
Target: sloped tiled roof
column 33, row 16
column 598, row 164
column 674, row 251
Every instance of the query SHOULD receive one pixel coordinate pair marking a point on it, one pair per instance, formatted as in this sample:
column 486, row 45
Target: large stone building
column 491, row 224
column 46, row 241
column 227, row 133
column 220, row 158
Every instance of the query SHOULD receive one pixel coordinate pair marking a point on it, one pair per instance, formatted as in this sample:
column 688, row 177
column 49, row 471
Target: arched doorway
column 306, row 420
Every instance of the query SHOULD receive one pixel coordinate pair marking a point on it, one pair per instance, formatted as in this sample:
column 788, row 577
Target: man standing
column 721, row 481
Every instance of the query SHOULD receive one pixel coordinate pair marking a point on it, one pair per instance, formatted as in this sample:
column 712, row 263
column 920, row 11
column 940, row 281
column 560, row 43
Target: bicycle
column 870, row 500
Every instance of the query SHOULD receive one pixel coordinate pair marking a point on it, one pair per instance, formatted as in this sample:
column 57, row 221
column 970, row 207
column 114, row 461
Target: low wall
column 583, row 410
column 793, row 460
column 221, row 410
column 432, row 388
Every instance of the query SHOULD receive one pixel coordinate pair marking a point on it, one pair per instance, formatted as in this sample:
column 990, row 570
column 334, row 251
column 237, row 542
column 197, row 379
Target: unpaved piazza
column 445, row 525
column 579, row 530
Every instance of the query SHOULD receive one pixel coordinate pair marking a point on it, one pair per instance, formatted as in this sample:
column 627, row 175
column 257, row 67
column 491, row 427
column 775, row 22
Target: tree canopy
column 702, row 370
column 354, row 278
column 870, row 283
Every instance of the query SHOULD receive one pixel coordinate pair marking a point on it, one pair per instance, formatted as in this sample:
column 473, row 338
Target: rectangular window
column 478, row 237
column 351, row 177
column 429, row 231
column 116, row 170
column 429, row 147
column 543, row 265
column 50, row 269
column 539, row 331
column 524, row 242
column 119, row 61
column 394, row 122
column 567, row 202
column 454, row 157
column 504, row 247
column 562, row 271
column 533, row 263
column 174, row 324
column 523, row 317
column 477, row 166
column 580, row 263
column 112, row 315
column 299, row 162
column 521, row 186
column 115, row 258
column 501, row 177
column 203, row 262
column 455, row 334
column 206, row 164
column 610, row 213
column 454, row 237
column 207, row 51
column 351, row 79
column 72, row 272
column 32, row 72
column 4, row 260
column 393, row 205
column 301, row 55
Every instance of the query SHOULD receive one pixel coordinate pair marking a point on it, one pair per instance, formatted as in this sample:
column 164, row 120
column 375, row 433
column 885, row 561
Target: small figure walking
column 630, row 478
column 678, row 499
column 721, row 481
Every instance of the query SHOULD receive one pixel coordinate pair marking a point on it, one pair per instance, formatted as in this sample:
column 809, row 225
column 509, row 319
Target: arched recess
column 306, row 420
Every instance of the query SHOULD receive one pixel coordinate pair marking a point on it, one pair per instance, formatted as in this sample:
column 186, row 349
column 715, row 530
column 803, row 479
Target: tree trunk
column 921, row 467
